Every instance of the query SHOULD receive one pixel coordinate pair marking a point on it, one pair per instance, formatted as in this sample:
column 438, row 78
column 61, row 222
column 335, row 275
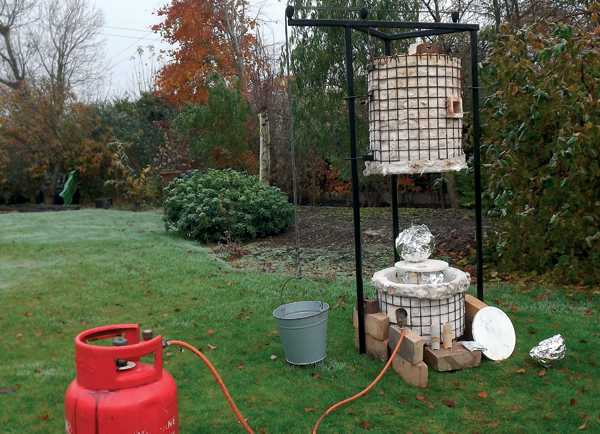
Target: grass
column 63, row 273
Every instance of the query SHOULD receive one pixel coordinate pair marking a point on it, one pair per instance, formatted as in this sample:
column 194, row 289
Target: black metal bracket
column 366, row 157
column 355, row 96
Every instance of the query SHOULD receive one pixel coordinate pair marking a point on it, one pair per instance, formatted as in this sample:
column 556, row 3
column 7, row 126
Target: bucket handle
column 300, row 278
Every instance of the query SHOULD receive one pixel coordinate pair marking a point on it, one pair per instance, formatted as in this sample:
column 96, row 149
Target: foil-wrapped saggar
column 550, row 351
column 415, row 244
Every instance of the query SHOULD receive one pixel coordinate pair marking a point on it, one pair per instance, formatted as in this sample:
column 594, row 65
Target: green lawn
column 63, row 273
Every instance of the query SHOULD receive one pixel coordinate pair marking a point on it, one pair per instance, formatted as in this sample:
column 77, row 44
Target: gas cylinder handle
column 96, row 365
column 131, row 332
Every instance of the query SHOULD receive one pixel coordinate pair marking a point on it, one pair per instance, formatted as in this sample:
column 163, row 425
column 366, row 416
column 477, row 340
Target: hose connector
column 166, row 343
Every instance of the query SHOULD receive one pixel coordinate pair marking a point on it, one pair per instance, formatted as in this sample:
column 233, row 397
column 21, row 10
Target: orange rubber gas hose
column 333, row 407
column 218, row 378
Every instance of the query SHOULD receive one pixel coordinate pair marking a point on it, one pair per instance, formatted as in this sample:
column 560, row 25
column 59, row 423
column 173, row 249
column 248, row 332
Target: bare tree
column 67, row 42
column 15, row 49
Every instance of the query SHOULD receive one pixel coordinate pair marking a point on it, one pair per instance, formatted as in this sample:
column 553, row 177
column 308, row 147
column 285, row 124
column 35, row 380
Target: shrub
column 225, row 204
column 542, row 145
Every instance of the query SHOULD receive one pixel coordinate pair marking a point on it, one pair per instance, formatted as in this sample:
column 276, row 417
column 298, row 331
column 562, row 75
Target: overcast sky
column 128, row 25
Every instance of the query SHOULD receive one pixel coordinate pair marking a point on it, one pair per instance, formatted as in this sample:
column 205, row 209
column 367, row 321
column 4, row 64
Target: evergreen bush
column 225, row 204
column 542, row 144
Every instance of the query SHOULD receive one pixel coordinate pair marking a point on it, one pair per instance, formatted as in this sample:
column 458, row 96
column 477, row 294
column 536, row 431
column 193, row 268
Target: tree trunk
column 50, row 193
column 497, row 15
column 265, row 145
column 452, row 191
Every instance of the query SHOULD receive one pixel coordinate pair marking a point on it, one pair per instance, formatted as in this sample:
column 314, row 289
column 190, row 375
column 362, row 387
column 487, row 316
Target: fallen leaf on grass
column 365, row 425
column 28, row 314
column 501, row 391
column 210, row 331
column 429, row 404
column 493, row 425
column 421, row 398
column 449, row 403
column 352, row 368
column 542, row 373
column 482, row 395
column 229, row 283
column 316, row 377
column 573, row 401
column 262, row 431
column 382, row 393
column 521, row 371
column 240, row 366
column 402, row 400
column 211, row 347
column 44, row 417
column 273, row 356
column 582, row 427
column 308, row 410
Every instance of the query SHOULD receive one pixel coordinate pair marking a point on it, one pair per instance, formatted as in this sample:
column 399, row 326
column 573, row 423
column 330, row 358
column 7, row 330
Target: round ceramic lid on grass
column 493, row 329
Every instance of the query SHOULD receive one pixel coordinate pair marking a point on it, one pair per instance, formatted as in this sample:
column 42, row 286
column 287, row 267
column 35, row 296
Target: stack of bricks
column 377, row 330
column 413, row 359
column 381, row 339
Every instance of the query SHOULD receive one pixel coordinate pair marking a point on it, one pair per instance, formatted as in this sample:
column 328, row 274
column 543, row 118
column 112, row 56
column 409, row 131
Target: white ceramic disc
column 493, row 329
column 427, row 266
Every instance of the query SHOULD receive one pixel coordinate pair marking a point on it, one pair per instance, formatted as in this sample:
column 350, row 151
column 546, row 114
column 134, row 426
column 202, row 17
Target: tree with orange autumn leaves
column 44, row 131
column 211, row 36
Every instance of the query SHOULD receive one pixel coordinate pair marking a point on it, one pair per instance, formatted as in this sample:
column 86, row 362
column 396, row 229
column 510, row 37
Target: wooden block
column 472, row 306
column 377, row 349
column 415, row 375
column 369, row 306
column 377, row 325
column 452, row 359
column 411, row 348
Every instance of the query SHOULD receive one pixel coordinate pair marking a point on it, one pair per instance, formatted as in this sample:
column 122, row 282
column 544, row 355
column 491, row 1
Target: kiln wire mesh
column 424, row 312
column 408, row 108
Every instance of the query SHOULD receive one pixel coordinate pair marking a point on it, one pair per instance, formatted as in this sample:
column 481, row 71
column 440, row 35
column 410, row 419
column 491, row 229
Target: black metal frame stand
column 421, row 30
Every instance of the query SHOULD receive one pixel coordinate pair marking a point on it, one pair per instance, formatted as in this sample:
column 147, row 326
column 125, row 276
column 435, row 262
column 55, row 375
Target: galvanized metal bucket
column 303, row 328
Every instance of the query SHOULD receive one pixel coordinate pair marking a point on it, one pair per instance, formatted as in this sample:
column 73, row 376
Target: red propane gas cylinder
column 114, row 393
